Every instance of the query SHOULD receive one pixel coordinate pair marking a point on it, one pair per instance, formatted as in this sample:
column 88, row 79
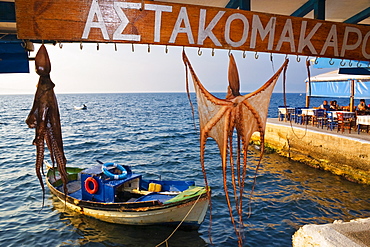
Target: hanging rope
column 272, row 63
column 195, row 127
column 187, row 214
column 284, row 86
column 309, row 88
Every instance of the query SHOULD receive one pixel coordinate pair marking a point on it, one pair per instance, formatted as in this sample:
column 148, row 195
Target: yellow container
column 153, row 187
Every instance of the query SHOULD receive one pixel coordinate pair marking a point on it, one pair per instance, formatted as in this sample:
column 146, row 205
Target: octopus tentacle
column 219, row 118
column 39, row 164
column 44, row 116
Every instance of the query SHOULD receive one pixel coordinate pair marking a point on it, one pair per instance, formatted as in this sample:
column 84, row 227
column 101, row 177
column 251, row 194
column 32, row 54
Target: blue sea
column 154, row 133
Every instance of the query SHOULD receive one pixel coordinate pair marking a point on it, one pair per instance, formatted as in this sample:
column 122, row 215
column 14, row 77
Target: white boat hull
column 159, row 215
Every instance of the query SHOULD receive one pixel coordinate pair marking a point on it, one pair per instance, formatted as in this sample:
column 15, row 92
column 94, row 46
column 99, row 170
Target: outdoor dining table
column 286, row 112
column 309, row 111
column 362, row 120
column 346, row 114
column 307, row 114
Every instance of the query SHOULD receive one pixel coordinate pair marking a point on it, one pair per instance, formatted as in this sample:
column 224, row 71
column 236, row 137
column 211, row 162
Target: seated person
column 362, row 106
column 334, row 106
column 325, row 105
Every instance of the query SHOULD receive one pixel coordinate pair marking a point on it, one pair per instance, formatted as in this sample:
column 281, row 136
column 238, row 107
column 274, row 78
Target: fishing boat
column 113, row 193
column 83, row 107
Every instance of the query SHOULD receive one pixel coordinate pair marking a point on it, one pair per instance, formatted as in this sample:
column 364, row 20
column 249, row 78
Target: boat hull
column 191, row 212
column 171, row 215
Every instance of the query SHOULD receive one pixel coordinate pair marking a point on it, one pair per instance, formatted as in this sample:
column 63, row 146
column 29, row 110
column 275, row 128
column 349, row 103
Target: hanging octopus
column 44, row 116
column 220, row 118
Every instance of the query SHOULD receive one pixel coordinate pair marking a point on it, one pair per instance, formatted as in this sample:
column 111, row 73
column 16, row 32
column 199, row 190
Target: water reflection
column 93, row 231
column 307, row 195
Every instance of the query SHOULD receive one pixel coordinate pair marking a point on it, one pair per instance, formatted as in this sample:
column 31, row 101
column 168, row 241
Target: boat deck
column 353, row 135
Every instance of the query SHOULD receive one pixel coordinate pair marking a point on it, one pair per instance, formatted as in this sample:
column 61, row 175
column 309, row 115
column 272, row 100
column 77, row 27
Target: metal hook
column 316, row 61
column 286, row 56
column 132, row 47
column 60, row 45
column 342, row 63
column 298, row 59
column 244, row 54
column 307, row 58
column 115, row 46
column 199, row 52
column 97, row 46
column 350, row 63
column 229, row 53
column 148, row 48
column 142, row 5
column 331, row 62
column 213, row 52
column 166, row 50
column 256, row 56
column 81, row 45
column 271, row 57
column 358, row 64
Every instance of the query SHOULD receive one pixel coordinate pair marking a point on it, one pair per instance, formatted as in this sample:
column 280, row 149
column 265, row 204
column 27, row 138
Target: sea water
column 154, row 133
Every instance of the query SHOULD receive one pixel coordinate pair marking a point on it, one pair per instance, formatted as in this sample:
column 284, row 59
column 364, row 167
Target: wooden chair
column 331, row 122
column 343, row 123
column 319, row 119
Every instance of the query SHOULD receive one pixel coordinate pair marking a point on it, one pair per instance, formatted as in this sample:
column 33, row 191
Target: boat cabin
column 94, row 185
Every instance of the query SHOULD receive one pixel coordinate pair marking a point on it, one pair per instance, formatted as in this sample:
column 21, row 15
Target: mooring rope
column 166, row 240
column 309, row 84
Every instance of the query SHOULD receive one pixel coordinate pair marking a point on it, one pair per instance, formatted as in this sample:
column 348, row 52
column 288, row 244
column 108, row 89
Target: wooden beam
column 7, row 12
column 304, row 9
column 241, row 4
column 245, row 5
column 232, row 4
column 359, row 16
column 163, row 23
column 319, row 9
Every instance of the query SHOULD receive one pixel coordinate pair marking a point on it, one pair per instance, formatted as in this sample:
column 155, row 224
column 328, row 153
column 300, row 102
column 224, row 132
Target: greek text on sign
column 188, row 25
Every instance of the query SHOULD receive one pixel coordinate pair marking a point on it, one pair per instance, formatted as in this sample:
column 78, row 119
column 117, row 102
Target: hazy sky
column 105, row 70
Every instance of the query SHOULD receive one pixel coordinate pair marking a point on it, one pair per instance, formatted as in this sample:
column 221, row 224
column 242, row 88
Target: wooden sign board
column 152, row 22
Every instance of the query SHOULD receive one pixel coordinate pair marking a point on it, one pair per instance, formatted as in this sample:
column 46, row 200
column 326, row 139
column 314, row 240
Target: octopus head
column 42, row 62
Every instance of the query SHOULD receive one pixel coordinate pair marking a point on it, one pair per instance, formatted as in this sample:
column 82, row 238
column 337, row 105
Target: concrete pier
column 346, row 155
column 355, row 233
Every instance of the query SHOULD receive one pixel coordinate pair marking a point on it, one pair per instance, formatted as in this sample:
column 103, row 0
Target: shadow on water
column 94, row 232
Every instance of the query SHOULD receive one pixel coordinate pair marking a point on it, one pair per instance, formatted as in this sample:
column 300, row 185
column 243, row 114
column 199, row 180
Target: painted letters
column 182, row 17
column 228, row 29
column 257, row 26
column 331, row 40
column 306, row 41
column 158, row 18
column 144, row 22
column 203, row 33
column 95, row 10
column 288, row 29
column 345, row 45
column 124, row 21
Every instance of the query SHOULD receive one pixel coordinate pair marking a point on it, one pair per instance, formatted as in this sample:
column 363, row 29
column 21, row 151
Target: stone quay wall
column 345, row 156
